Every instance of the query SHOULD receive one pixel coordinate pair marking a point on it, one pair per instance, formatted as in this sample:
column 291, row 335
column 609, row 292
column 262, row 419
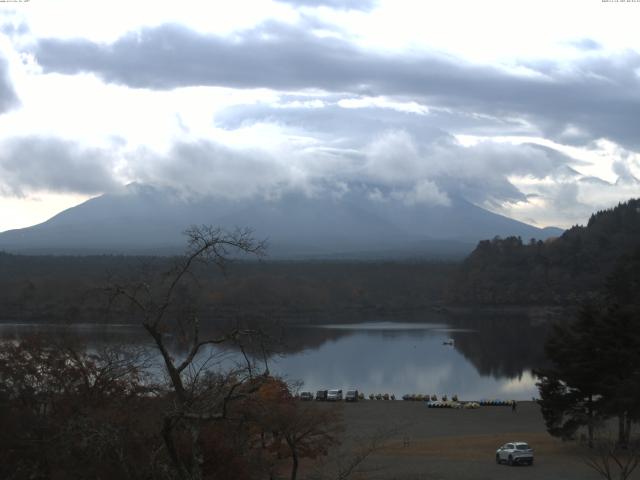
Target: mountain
column 145, row 219
column 575, row 266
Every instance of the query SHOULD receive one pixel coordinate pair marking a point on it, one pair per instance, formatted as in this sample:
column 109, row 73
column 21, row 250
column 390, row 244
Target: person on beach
column 513, row 406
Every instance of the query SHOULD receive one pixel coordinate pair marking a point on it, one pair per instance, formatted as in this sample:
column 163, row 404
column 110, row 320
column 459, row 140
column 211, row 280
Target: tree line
column 561, row 271
column 69, row 289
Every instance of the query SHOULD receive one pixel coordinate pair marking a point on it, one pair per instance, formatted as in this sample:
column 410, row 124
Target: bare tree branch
column 198, row 397
column 613, row 462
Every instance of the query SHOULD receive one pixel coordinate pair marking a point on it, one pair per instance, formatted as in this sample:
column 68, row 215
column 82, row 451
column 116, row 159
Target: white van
column 334, row 395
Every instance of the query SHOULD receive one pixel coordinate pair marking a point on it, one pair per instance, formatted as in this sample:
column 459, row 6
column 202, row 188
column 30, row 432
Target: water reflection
column 392, row 358
column 491, row 356
column 503, row 345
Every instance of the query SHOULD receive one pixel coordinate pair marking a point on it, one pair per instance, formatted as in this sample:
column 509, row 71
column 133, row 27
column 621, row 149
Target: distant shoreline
column 300, row 317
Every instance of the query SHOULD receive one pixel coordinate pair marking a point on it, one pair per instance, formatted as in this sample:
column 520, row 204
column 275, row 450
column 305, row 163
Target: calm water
column 489, row 358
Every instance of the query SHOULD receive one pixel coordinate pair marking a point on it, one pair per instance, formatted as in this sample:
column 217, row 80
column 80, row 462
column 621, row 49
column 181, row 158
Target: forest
column 563, row 271
column 72, row 288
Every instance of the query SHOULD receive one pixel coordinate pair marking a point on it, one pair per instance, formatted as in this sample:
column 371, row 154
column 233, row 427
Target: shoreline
column 350, row 314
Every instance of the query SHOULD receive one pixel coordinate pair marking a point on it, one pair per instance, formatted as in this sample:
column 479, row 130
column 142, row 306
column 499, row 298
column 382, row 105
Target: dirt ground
column 443, row 444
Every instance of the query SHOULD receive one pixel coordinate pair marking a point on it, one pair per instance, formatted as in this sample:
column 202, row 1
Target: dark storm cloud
column 170, row 56
column 42, row 163
column 8, row 97
column 365, row 5
column 596, row 96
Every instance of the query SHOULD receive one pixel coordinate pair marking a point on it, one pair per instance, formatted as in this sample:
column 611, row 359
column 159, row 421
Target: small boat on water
column 448, row 342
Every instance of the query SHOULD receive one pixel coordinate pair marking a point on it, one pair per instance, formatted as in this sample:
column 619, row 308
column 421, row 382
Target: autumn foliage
column 66, row 413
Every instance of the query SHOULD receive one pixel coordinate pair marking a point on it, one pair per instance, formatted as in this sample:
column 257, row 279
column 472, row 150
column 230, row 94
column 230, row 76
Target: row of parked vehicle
column 457, row 405
column 334, row 395
column 497, row 403
column 418, row 397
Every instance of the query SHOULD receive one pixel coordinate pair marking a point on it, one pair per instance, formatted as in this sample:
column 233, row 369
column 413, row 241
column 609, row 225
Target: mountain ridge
column 144, row 218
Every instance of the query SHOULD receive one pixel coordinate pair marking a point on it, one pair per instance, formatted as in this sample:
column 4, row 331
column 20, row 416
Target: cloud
column 340, row 119
column 8, row 97
column 426, row 192
column 12, row 28
column 46, row 163
column 392, row 166
column 580, row 101
column 410, row 165
column 350, row 122
column 364, row 5
column 566, row 197
column 209, row 168
column 273, row 55
column 388, row 164
column 585, row 44
column 625, row 175
column 205, row 167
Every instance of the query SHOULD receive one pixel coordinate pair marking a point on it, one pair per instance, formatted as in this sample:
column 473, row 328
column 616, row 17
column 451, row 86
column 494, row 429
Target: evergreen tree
column 596, row 372
column 570, row 390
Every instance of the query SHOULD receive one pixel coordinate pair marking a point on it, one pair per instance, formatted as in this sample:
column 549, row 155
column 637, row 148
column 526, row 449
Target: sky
column 530, row 109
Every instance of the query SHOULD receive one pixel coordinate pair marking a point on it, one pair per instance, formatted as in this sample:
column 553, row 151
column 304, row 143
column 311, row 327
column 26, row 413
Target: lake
column 490, row 356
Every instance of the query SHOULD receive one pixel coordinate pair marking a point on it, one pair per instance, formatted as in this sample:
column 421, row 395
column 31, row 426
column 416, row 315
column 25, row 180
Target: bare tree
column 348, row 461
column 309, row 432
column 612, row 461
column 199, row 396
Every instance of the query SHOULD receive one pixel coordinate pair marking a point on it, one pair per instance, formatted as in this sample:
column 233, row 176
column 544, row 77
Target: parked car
column 321, row 395
column 351, row 396
column 334, row 395
column 306, row 396
column 515, row 453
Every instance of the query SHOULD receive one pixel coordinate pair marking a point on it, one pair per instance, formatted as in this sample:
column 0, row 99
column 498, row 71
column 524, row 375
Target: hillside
column 143, row 220
column 508, row 271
